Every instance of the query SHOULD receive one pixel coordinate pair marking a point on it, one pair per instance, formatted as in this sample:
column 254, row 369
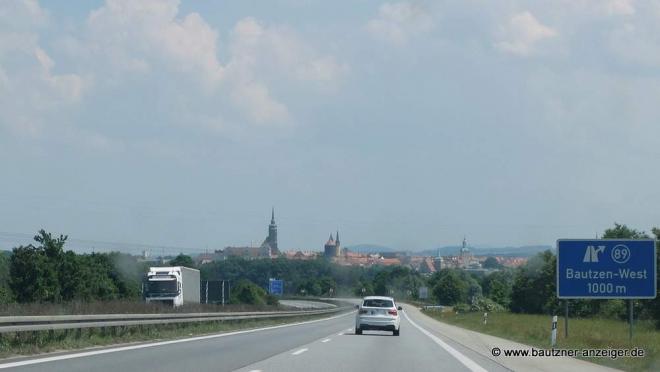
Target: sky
column 403, row 123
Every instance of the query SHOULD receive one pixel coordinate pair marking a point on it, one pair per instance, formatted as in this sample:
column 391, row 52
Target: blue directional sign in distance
column 606, row 268
column 276, row 287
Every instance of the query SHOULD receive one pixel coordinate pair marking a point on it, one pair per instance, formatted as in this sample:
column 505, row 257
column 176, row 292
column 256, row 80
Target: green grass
column 28, row 343
column 122, row 307
column 583, row 333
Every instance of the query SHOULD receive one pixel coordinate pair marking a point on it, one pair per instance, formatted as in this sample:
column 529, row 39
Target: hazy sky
column 409, row 124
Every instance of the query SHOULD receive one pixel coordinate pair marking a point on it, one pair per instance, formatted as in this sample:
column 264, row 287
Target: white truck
column 175, row 285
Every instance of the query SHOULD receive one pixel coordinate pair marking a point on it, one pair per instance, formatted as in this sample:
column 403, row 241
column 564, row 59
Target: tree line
column 531, row 288
column 44, row 272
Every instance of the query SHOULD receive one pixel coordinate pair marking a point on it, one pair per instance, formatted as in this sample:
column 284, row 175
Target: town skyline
column 402, row 123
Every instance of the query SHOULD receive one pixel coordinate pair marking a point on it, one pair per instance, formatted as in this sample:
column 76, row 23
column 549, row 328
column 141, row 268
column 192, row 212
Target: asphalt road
column 325, row 345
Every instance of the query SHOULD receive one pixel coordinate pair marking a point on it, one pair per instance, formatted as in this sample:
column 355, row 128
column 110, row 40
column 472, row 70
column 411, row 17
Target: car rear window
column 378, row 303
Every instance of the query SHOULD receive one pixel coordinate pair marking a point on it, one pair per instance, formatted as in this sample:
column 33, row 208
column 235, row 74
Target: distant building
column 271, row 239
column 465, row 259
column 268, row 248
column 332, row 247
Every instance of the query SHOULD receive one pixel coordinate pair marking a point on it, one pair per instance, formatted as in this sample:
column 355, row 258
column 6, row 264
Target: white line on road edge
column 298, row 352
column 469, row 363
column 326, row 340
column 144, row 346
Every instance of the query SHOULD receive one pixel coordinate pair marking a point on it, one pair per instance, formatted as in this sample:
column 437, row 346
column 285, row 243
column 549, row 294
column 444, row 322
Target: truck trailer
column 173, row 285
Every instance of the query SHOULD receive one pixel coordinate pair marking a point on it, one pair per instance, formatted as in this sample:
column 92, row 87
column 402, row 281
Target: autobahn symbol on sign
column 606, row 268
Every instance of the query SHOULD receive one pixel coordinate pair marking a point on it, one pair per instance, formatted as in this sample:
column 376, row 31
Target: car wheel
column 395, row 332
column 358, row 331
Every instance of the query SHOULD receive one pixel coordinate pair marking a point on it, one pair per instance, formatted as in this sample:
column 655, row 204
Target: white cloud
column 257, row 51
column 126, row 41
column 136, row 35
column 396, row 23
column 255, row 100
column 255, row 45
column 619, row 7
column 601, row 7
column 30, row 91
column 522, row 33
column 141, row 36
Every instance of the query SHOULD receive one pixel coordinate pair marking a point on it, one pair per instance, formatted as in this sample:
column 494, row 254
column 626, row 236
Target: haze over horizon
column 408, row 124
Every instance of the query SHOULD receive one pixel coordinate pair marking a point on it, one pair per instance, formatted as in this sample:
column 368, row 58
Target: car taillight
column 392, row 312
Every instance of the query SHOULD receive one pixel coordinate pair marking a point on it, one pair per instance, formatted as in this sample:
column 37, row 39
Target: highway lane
column 345, row 351
column 327, row 345
column 226, row 352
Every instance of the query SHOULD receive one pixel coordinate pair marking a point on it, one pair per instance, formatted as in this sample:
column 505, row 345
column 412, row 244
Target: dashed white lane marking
column 143, row 346
column 469, row 363
column 349, row 329
column 340, row 333
column 255, row 370
column 326, row 340
column 298, row 352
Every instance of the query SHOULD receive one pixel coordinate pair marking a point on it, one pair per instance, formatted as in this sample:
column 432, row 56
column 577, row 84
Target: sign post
column 553, row 336
column 606, row 269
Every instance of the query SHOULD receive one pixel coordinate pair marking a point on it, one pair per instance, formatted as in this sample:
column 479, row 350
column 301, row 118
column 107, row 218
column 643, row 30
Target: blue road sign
column 276, row 287
column 606, row 268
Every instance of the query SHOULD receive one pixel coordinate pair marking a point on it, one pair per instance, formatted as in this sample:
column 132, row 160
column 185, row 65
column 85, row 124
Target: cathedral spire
column 337, row 239
column 272, row 216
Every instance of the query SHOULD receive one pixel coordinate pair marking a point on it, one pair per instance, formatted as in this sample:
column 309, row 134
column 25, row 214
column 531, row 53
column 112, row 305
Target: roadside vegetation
column 534, row 330
column 125, row 307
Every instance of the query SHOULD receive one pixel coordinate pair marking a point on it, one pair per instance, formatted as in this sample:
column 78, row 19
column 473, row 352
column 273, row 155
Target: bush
column 462, row 308
column 246, row 292
column 614, row 309
column 488, row 305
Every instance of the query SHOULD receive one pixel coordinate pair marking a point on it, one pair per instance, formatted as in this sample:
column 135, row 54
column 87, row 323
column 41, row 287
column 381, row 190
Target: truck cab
column 173, row 286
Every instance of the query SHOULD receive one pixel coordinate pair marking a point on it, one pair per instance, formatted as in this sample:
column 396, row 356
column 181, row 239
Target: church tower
column 272, row 233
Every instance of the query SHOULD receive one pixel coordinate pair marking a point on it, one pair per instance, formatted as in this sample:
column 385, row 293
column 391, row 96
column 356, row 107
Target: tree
column 246, row 292
column 497, row 287
column 46, row 273
column 653, row 306
column 450, row 289
column 534, row 288
column 6, row 296
column 491, row 263
column 623, row 232
column 182, row 260
column 32, row 277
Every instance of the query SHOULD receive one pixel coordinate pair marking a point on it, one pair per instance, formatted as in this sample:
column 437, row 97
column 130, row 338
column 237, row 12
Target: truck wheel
column 358, row 331
column 395, row 332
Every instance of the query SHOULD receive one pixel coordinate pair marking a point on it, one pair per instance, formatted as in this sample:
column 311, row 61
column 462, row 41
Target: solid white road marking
column 298, row 352
column 326, row 340
column 469, row 363
column 340, row 333
column 144, row 346
column 255, row 370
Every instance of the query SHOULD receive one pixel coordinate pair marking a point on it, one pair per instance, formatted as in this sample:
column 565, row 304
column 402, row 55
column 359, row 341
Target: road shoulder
column 483, row 344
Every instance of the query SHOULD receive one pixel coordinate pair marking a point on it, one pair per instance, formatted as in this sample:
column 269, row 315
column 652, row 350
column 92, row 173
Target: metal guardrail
column 59, row 322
